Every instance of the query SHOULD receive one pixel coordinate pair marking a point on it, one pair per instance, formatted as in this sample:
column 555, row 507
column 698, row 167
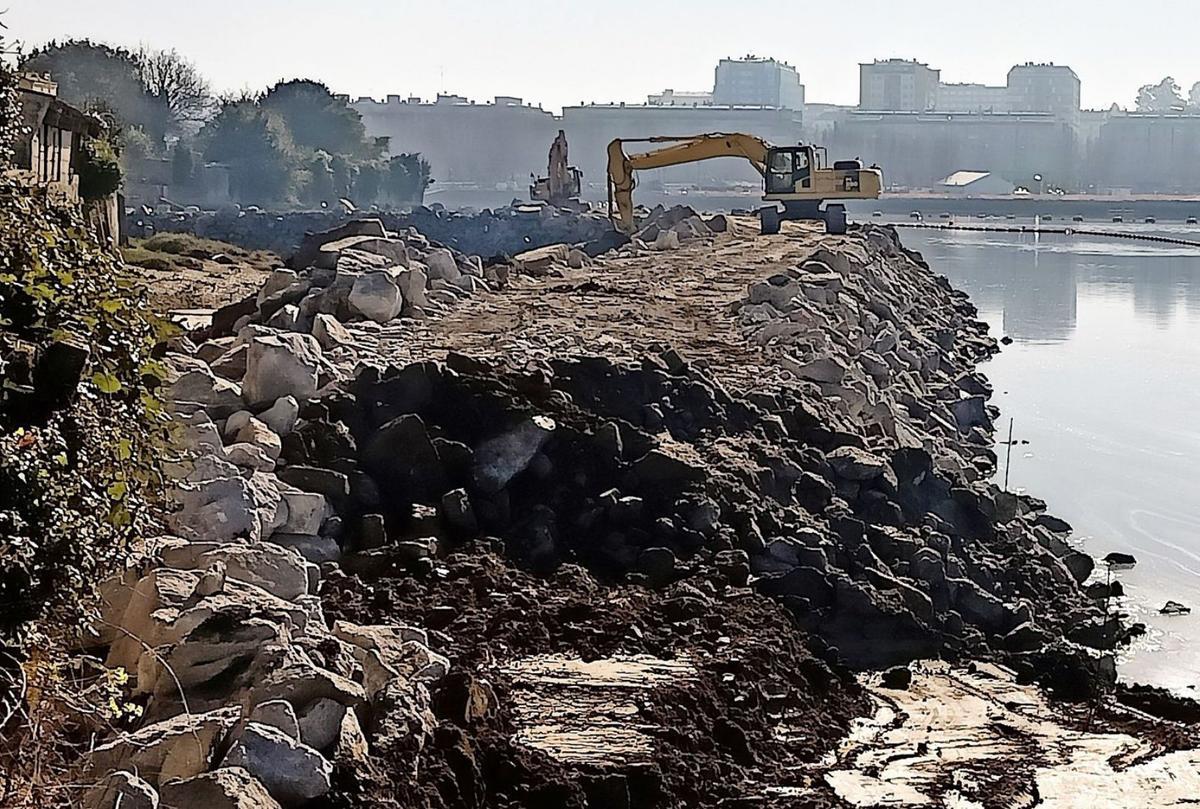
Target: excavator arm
column 678, row 150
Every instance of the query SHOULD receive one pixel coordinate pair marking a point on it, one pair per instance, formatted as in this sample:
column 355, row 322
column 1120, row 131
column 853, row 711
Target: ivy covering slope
column 79, row 420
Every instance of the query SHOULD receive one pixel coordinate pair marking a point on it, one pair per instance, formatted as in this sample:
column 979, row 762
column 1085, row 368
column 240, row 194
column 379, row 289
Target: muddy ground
column 714, row 741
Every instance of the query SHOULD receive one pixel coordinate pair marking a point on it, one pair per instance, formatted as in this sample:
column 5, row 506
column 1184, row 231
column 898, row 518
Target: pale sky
column 557, row 53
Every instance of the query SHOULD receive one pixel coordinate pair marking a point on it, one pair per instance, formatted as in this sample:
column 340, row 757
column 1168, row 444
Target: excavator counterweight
column 795, row 177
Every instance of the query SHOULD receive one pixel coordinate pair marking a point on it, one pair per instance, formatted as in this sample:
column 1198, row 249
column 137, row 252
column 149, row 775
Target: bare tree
column 1194, row 97
column 179, row 86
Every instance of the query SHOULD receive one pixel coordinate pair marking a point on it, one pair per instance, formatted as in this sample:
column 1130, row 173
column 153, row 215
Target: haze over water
column 1103, row 381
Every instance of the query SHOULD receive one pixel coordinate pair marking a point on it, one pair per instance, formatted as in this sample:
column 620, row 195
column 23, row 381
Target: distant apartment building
column 755, row 82
column 919, row 150
column 496, row 143
column 971, row 98
column 1043, row 88
column 897, row 85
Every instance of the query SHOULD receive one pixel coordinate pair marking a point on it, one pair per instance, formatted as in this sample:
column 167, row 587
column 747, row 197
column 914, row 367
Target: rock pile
column 853, row 495
column 503, row 231
column 250, row 695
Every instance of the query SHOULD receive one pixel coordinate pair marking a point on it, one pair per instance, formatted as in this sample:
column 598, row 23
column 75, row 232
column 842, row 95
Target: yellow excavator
column 562, row 182
column 796, row 177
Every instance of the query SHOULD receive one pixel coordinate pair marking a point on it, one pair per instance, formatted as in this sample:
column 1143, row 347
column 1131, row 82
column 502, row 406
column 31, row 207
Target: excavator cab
column 789, row 169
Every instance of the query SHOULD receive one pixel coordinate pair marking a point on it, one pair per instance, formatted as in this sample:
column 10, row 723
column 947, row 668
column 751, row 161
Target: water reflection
column 1103, row 381
column 1033, row 280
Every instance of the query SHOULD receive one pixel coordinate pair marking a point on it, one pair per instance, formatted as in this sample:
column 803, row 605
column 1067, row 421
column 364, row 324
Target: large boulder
column 376, row 296
column 403, row 459
column 852, row 463
column 498, row 460
column 226, row 788
column 202, row 387
column 442, row 266
column 330, row 332
column 177, row 748
column 293, row 773
column 282, row 416
column 280, row 571
column 281, row 365
column 412, row 283
column 826, row 370
column 222, row 508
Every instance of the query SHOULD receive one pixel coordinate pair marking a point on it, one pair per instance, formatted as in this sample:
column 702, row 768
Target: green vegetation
column 79, row 464
column 298, row 144
column 295, row 144
column 100, row 174
column 183, row 251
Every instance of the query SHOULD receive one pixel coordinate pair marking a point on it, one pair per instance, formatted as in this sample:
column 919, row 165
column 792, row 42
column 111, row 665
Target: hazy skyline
column 556, row 54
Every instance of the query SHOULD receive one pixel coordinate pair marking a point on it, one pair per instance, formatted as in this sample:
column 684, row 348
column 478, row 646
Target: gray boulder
column 852, row 463
column 226, row 788
column 281, row 365
column 293, row 773
column 376, row 296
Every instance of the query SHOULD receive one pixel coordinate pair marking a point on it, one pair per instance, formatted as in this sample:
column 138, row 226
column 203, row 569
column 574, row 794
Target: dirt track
column 621, row 308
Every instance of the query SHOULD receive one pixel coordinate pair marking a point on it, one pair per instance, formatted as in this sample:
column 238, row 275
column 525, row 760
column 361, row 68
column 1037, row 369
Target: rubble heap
column 366, row 554
column 503, row 231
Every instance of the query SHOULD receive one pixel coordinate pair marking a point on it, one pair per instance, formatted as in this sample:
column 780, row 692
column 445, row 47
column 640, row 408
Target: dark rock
column 657, row 564
column 334, row 485
column 457, row 509
column 1103, row 590
column 403, row 460
column 897, row 678
column 854, row 464
column 1053, row 523
column 1026, row 637
column 501, row 458
column 659, row 469
column 1117, row 559
column 372, row 532
column 58, row 372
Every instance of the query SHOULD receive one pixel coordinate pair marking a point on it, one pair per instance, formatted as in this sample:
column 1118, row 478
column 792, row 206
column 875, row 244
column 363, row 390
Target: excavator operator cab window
column 787, row 170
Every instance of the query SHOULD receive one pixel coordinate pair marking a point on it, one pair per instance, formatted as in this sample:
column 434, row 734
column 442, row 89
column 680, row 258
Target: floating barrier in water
column 1140, row 237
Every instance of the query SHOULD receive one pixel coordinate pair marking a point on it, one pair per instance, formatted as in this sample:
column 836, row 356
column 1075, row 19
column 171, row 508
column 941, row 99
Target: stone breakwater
column 372, row 544
column 487, row 233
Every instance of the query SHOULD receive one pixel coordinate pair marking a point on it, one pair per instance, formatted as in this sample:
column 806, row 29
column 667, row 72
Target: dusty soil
column 621, row 309
column 715, row 738
column 182, row 274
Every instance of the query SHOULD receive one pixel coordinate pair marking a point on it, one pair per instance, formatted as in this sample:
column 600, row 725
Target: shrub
column 100, row 172
column 75, row 474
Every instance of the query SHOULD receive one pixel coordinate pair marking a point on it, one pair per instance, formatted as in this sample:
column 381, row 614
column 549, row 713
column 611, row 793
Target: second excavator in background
column 797, row 180
column 562, row 184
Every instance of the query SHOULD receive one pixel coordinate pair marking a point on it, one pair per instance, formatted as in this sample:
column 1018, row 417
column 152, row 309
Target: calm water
column 1103, row 380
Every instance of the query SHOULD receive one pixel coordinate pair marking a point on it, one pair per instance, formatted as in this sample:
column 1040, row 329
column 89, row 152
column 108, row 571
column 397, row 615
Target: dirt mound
column 715, row 739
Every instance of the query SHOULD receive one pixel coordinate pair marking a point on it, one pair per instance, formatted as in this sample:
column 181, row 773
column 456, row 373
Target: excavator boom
column 621, row 166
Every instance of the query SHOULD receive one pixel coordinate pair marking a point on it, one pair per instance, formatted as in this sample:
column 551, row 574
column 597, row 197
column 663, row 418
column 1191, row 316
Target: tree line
column 1167, row 96
column 293, row 144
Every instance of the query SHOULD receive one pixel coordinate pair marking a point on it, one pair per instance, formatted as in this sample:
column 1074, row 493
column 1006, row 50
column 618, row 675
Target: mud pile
column 710, row 736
